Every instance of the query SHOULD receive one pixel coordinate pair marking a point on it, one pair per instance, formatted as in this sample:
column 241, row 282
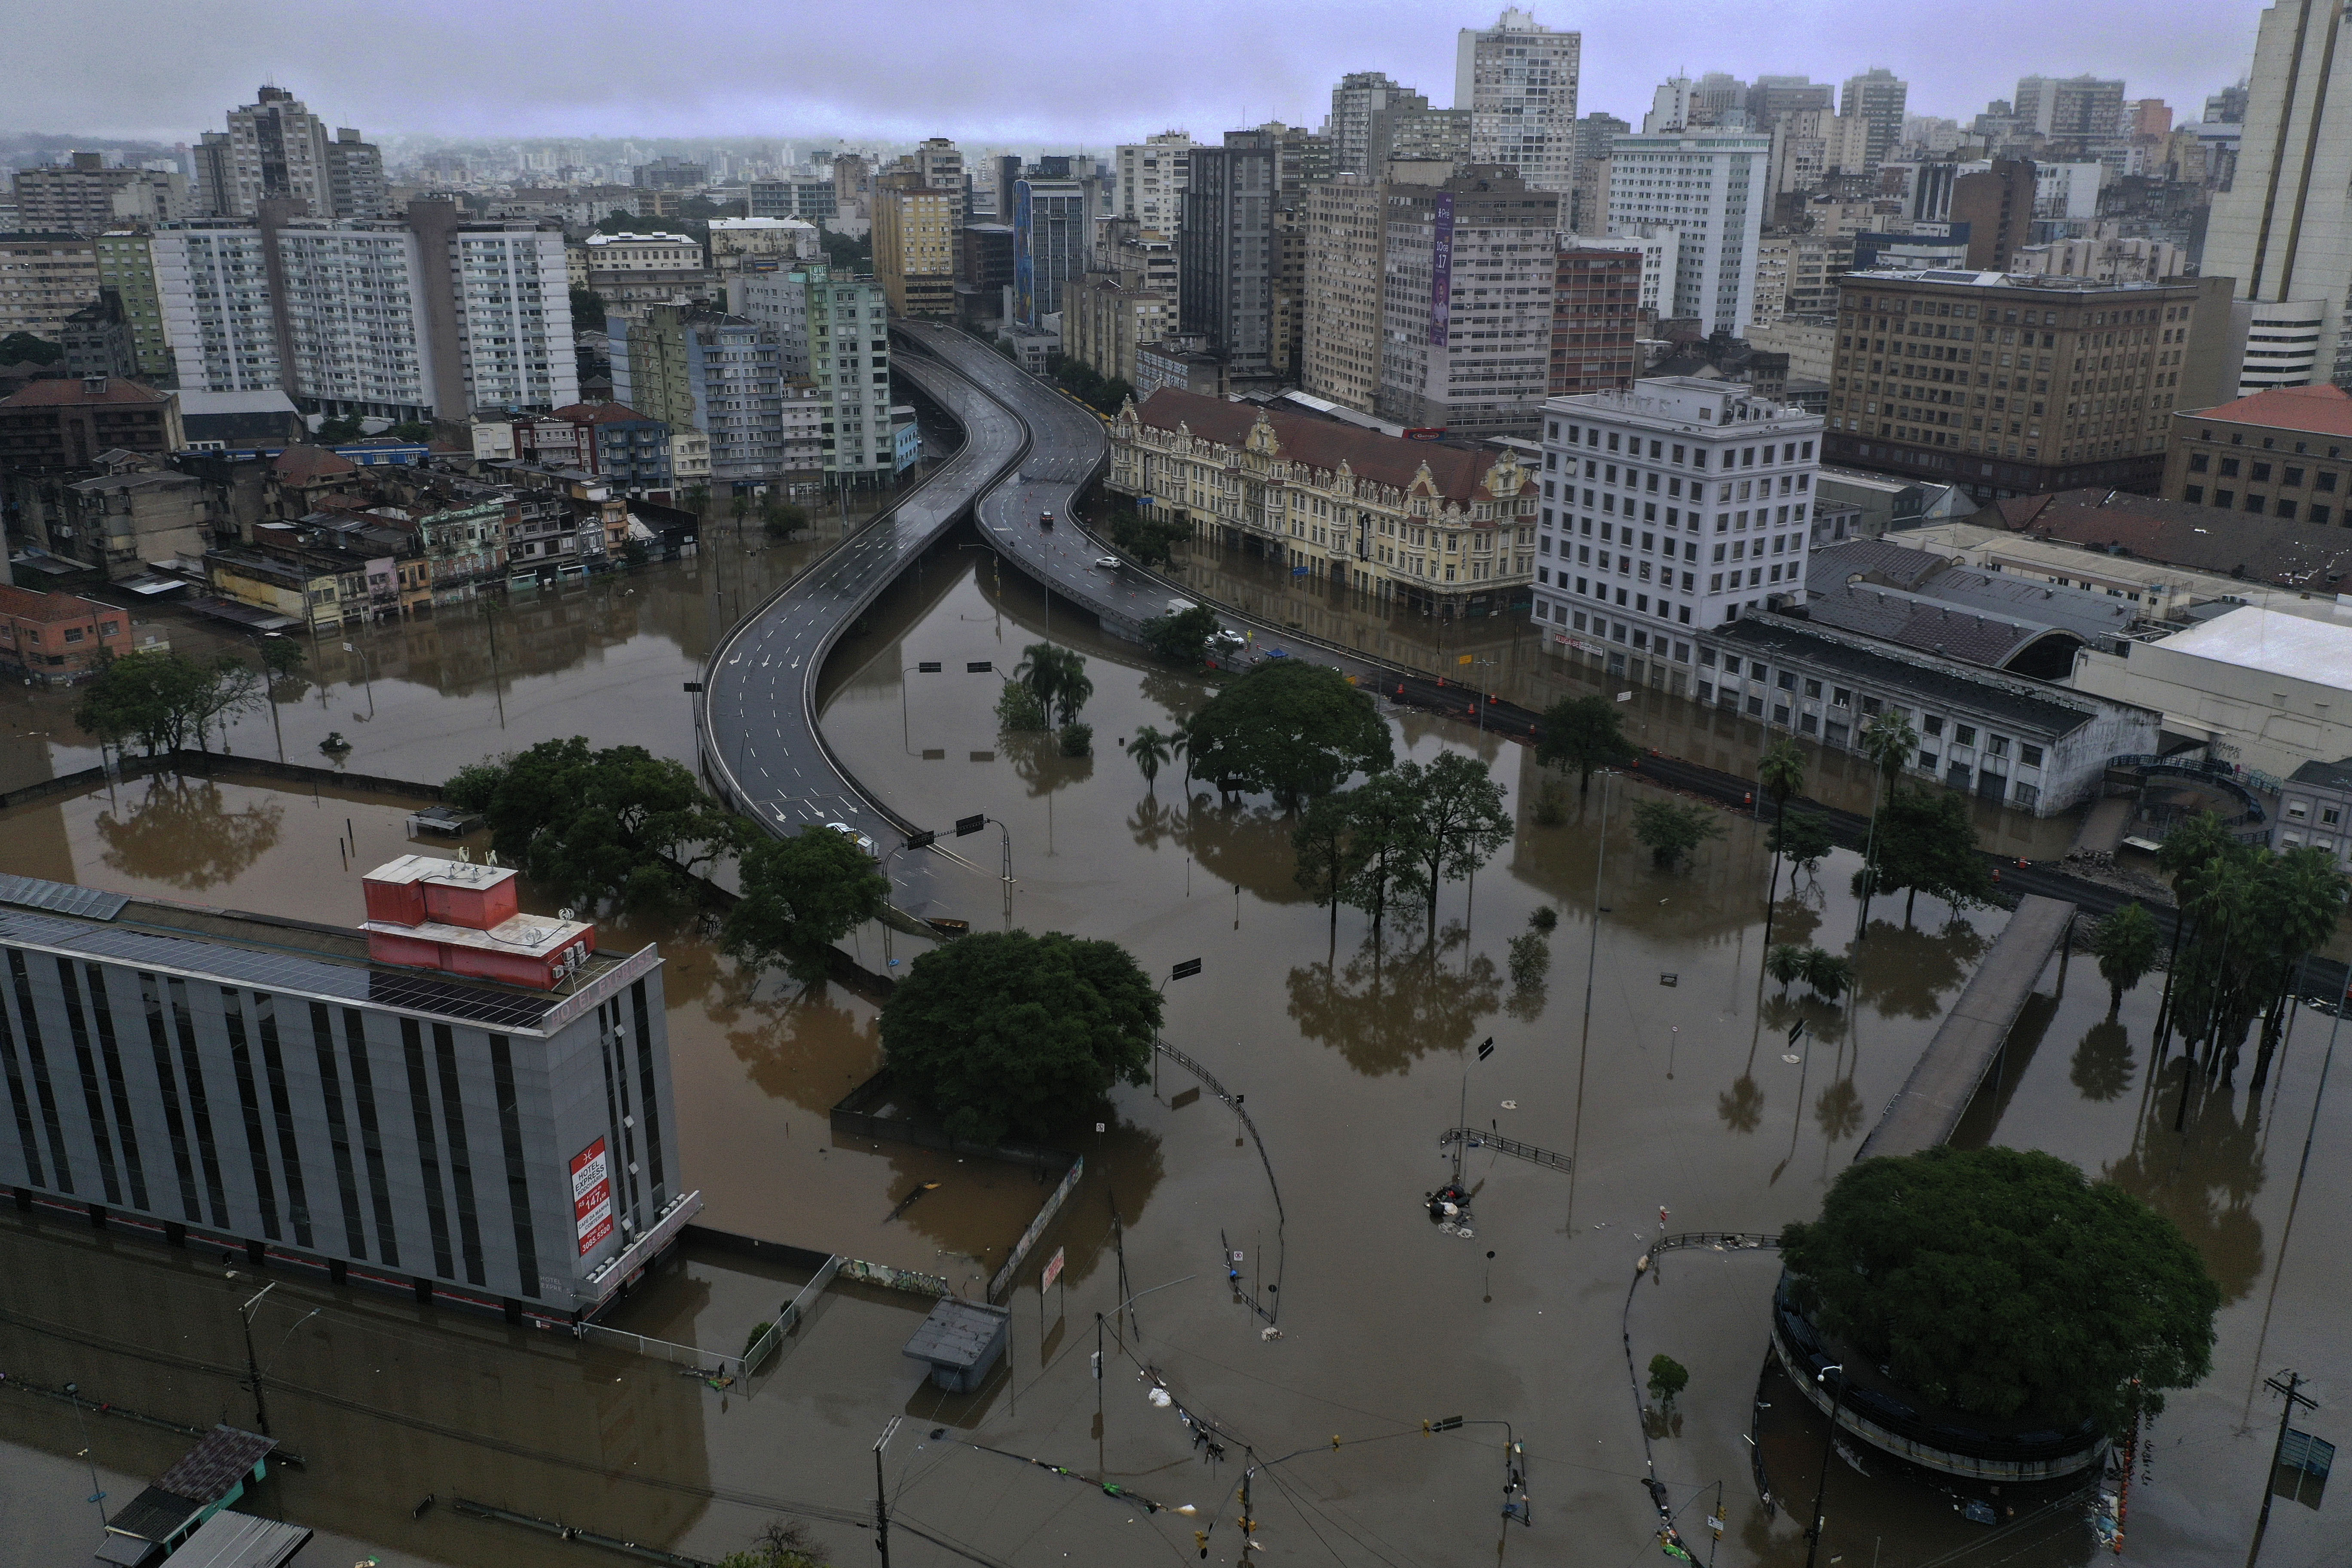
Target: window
column 2229, row 467
column 2200, row 462
column 1964, row 734
column 1927, row 761
column 1812, row 689
column 1788, row 682
column 1996, row 745
column 2030, row 756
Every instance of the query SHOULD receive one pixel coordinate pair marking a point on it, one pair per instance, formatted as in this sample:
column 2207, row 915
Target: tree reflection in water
column 1839, row 1111
column 179, row 833
column 2102, row 1067
column 1242, row 844
column 2205, row 1182
column 1388, row 1007
column 1905, row 972
column 1037, row 760
column 1742, row 1105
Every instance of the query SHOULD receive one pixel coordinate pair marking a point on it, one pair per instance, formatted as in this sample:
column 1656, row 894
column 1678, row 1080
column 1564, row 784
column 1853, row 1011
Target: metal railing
column 1471, row 1138
column 756, row 1355
column 710, row 1363
column 1193, row 1067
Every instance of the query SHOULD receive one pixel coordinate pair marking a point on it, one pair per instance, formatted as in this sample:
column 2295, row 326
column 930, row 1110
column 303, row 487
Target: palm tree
column 1781, row 773
column 1179, row 744
column 1071, row 692
column 1041, row 669
column 1149, row 750
column 2125, row 949
column 1785, row 963
column 1829, row 976
column 1890, row 742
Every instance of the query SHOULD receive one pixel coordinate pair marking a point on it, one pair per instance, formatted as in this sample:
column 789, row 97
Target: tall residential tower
column 1517, row 80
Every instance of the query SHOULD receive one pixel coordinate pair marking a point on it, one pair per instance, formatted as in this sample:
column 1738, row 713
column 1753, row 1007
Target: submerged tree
column 1458, row 819
column 801, row 895
column 1671, row 829
column 2126, row 945
column 1290, row 728
column 2254, row 915
column 1584, row 733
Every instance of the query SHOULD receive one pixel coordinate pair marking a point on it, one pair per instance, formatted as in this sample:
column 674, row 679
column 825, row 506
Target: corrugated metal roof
column 230, row 1540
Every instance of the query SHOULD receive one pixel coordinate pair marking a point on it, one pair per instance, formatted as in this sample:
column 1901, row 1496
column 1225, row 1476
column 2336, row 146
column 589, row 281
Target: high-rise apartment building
column 424, row 1078
column 811, row 197
column 44, row 279
column 1595, row 317
column 2076, row 108
column 914, row 238
column 1346, row 233
column 274, row 147
column 355, row 182
column 126, row 264
column 1711, row 189
column 1374, row 121
column 1996, row 201
column 1148, row 178
column 1466, row 301
column 84, row 196
column 2009, row 384
column 708, row 371
column 1877, row 99
column 2284, row 229
column 1771, row 97
column 833, row 331
column 937, row 163
column 1518, row 80
column 432, row 315
column 1670, row 508
column 1226, row 257
column 1588, row 200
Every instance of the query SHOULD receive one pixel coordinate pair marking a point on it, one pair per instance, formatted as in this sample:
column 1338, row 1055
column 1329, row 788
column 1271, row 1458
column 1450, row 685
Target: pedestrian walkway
column 1933, row 1099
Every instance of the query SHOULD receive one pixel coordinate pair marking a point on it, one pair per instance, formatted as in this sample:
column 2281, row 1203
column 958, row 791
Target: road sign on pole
column 1186, row 970
column 1054, row 1267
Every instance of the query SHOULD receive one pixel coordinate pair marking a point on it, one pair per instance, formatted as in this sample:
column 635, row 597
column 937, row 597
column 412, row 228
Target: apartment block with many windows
column 2284, row 454
column 1467, row 271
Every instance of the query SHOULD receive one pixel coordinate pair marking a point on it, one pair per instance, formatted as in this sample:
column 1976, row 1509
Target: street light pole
column 881, row 1499
column 97, row 1494
column 2286, row 1413
column 1829, row 1448
column 253, row 1367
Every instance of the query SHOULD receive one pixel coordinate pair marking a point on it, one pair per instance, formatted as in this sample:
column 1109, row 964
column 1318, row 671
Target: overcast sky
column 1006, row 72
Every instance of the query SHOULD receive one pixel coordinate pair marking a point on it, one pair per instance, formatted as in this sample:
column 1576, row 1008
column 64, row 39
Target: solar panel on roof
column 33, row 893
column 286, row 971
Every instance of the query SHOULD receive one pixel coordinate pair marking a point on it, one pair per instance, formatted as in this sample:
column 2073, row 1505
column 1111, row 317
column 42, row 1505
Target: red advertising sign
column 592, row 1195
column 1053, row 1270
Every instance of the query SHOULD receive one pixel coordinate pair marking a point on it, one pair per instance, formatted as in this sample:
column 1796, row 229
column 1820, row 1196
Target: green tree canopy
column 1668, row 1378
column 1147, row 539
column 339, row 431
column 1290, row 728
column 1803, row 836
column 1004, row 1032
column 1583, row 733
column 24, row 348
column 1329, row 857
column 2126, row 946
column 1927, row 844
column 2252, row 915
column 1785, row 963
column 2000, row 1282
column 587, row 309
column 1057, row 677
column 165, row 700
column 1182, row 638
column 1384, row 829
column 1149, row 751
column 619, row 823
column 1781, row 773
column 801, row 895
column 1458, row 820
column 1671, row 829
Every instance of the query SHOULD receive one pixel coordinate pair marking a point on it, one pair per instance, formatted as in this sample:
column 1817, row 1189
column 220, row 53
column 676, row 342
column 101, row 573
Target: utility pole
column 1829, row 1448
column 253, row 1367
column 1599, row 859
column 881, row 1502
column 1101, row 1474
column 2286, row 1413
column 1249, row 1525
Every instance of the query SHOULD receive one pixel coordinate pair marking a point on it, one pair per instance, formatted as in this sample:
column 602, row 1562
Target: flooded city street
column 1305, row 1308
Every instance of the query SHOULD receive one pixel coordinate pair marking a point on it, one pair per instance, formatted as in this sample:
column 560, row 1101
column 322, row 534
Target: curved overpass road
column 758, row 707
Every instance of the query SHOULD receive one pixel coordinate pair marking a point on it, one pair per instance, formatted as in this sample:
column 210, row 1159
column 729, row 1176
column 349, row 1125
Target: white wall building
column 1518, row 80
column 2284, row 229
column 1149, row 180
column 1661, row 249
column 375, row 317
column 835, row 334
column 787, row 238
column 1670, row 509
column 1712, row 191
column 2067, row 192
column 2271, row 691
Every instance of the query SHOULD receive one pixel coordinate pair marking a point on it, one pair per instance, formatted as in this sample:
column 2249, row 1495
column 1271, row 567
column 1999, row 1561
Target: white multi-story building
column 378, row 319
column 834, row 331
column 1671, row 509
column 1519, row 82
column 2284, row 227
column 1149, row 180
column 786, row 239
column 1712, row 190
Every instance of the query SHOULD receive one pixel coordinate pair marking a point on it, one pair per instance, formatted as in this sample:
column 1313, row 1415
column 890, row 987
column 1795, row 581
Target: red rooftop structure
column 426, row 913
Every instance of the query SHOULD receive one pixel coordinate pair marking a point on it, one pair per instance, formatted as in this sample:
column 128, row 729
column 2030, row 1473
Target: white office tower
column 1675, row 506
column 1712, row 190
column 2284, row 229
column 1519, row 82
column 1148, row 180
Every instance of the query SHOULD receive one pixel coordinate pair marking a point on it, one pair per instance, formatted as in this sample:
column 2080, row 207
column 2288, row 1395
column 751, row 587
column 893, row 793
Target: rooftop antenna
column 465, row 855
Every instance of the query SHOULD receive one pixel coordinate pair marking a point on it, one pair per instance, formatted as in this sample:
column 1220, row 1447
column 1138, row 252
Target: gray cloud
column 1013, row 71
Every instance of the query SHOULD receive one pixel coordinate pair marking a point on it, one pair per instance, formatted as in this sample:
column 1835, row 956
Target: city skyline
column 737, row 71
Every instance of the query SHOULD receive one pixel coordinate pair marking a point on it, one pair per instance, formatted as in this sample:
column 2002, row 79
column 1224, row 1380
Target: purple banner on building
column 1441, row 273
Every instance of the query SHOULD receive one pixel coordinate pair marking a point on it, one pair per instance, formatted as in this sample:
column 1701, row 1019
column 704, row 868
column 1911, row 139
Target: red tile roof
column 2180, row 533
column 69, row 390
column 301, row 465
column 2323, row 410
column 1391, row 460
column 27, row 605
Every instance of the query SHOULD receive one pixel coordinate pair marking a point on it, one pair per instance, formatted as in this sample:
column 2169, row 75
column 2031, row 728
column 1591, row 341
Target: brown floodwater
column 1354, row 1053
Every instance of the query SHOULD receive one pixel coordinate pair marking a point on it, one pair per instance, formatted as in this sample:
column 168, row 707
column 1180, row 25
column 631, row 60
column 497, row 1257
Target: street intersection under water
column 1352, row 1056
